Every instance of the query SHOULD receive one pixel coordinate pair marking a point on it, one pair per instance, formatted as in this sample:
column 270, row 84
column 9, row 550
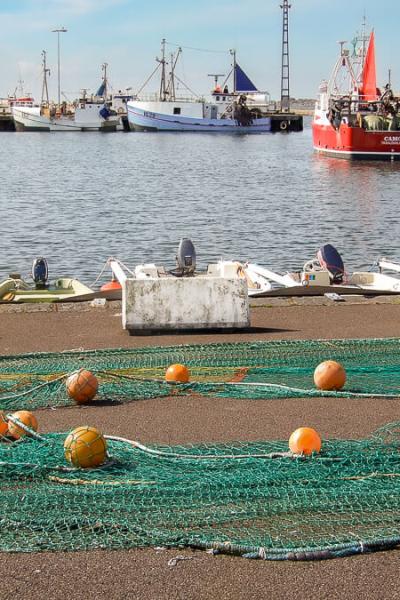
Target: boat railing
column 156, row 98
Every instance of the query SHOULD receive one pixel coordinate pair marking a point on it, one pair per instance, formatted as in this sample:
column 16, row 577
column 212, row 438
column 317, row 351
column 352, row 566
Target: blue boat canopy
column 101, row 90
column 242, row 82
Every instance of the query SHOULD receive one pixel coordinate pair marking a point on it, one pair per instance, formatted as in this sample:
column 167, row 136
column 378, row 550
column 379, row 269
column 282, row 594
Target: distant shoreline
column 303, row 111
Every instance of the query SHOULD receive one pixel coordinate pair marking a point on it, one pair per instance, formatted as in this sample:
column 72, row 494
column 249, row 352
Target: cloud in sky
column 82, row 7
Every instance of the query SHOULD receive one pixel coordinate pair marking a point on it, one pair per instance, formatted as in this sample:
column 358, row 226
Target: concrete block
column 169, row 303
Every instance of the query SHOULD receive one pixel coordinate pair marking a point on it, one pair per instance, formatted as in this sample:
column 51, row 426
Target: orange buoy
column 85, row 447
column 177, row 374
column 329, row 375
column 3, row 425
column 82, row 386
column 27, row 418
column 304, row 440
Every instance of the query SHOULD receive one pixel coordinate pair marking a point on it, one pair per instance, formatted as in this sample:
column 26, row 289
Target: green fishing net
column 245, row 370
column 251, row 499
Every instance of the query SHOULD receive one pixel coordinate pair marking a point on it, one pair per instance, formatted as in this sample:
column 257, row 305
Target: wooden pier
column 283, row 121
column 6, row 120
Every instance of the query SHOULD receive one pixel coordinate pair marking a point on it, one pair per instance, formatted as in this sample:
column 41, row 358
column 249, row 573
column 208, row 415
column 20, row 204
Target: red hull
column 356, row 142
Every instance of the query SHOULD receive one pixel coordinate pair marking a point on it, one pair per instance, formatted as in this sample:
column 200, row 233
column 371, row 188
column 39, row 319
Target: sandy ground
column 145, row 573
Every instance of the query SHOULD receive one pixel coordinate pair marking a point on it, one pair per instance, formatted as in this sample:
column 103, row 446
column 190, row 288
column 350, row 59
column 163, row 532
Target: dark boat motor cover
column 330, row 259
column 40, row 272
column 186, row 257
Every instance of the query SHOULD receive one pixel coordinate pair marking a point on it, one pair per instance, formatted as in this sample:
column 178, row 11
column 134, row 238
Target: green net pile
column 245, row 370
column 250, row 499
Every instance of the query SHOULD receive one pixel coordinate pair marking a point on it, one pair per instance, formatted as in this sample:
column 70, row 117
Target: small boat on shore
column 354, row 118
column 228, row 113
column 185, row 267
column 14, row 289
column 64, row 289
column 326, row 274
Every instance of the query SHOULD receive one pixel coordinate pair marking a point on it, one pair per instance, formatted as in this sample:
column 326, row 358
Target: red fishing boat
column 353, row 117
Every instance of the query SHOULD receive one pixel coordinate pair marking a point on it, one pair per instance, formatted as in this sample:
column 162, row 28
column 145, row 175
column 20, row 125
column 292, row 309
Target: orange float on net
column 329, row 375
column 85, row 447
column 25, row 417
column 82, row 386
column 3, row 425
column 304, row 440
column 177, row 374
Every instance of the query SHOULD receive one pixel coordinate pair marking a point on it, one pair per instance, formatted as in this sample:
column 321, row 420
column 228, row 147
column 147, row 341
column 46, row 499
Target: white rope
column 100, row 274
column 303, row 391
column 161, row 453
column 38, row 387
column 252, row 384
column 28, row 430
column 107, row 264
column 37, row 466
column 122, row 265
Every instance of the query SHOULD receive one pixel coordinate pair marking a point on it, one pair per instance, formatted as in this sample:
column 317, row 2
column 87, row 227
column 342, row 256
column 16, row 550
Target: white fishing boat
column 229, row 114
column 89, row 113
column 326, row 274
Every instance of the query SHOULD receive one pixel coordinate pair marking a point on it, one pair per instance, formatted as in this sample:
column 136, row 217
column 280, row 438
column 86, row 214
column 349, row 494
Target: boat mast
column 364, row 39
column 20, row 85
column 170, row 91
column 171, row 85
column 233, row 53
column 105, row 82
column 285, row 94
column 163, row 84
column 58, row 31
column 45, row 90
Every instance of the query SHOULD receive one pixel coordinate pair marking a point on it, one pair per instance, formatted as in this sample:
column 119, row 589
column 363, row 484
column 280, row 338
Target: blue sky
column 127, row 33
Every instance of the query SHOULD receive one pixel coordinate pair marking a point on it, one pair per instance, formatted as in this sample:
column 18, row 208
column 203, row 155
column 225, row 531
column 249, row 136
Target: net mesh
column 263, row 503
column 252, row 499
column 245, row 370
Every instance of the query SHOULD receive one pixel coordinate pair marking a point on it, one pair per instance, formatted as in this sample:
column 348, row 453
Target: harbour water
column 78, row 199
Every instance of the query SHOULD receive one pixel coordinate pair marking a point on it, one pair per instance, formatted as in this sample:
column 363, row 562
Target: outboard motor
column 185, row 258
column 40, row 272
column 330, row 259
